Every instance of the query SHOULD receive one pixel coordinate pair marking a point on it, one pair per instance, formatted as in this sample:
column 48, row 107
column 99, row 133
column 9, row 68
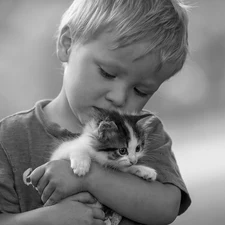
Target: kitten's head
column 120, row 137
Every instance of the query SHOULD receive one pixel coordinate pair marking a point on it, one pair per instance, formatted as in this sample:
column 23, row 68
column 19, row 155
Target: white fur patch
column 133, row 143
column 80, row 151
column 142, row 171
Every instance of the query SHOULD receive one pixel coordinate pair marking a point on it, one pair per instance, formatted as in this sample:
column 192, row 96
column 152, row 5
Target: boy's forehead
column 133, row 53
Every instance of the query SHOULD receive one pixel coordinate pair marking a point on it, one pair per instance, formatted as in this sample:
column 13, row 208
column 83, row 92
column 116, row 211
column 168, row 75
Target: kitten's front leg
column 80, row 163
column 142, row 171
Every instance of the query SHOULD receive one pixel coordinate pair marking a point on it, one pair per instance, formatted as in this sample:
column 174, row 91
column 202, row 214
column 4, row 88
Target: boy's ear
column 64, row 44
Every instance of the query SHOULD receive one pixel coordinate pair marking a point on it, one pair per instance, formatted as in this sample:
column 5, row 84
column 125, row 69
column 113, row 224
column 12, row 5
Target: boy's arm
column 67, row 212
column 129, row 195
column 33, row 217
column 133, row 197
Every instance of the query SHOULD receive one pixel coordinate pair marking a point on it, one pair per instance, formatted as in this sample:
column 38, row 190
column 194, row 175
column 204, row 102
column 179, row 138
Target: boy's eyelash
column 141, row 94
column 110, row 76
column 105, row 74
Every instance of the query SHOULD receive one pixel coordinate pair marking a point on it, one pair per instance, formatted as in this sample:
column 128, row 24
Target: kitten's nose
column 133, row 161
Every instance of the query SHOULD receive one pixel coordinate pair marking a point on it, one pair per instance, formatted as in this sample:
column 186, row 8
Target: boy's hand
column 69, row 211
column 87, row 199
column 55, row 181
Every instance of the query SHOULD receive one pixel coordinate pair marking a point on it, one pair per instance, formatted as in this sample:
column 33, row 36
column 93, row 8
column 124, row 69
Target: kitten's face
column 127, row 155
column 120, row 140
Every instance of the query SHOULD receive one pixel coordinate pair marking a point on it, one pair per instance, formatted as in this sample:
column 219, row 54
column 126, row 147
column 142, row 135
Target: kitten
column 113, row 140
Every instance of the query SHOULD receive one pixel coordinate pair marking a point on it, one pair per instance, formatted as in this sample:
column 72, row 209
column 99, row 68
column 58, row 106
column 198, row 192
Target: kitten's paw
column 146, row 173
column 80, row 167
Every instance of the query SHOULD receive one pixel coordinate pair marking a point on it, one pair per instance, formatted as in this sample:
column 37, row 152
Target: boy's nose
column 117, row 97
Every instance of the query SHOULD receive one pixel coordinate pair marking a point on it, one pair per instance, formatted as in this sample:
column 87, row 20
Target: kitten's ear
column 106, row 130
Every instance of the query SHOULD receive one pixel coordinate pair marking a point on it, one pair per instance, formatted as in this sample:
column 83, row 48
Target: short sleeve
column 8, row 197
column 159, row 155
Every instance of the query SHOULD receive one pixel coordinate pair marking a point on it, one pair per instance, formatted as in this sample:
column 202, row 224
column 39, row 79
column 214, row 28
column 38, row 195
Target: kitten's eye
column 122, row 151
column 138, row 148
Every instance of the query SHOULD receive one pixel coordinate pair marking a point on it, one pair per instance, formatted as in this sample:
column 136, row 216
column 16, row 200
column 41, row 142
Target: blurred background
column 192, row 104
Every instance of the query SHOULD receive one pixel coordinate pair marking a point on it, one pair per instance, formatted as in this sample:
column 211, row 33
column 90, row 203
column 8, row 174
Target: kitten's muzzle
column 133, row 161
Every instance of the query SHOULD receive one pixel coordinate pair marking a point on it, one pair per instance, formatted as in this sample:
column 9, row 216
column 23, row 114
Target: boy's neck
column 56, row 113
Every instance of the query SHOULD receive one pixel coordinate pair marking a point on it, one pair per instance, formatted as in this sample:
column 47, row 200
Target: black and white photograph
column 112, row 112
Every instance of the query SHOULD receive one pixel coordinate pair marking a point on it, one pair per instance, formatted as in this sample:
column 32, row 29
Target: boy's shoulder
column 155, row 123
column 14, row 131
column 22, row 135
column 23, row 121
column 16, row 122
column 18, row 151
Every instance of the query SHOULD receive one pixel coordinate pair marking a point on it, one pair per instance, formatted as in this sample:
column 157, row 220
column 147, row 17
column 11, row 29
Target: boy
column 116, row 54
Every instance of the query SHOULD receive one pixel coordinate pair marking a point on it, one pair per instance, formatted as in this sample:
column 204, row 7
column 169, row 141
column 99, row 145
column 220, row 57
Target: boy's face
column 110, row 79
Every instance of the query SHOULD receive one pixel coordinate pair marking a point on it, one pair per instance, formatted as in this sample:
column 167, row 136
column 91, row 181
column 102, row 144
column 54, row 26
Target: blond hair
column 162, row 23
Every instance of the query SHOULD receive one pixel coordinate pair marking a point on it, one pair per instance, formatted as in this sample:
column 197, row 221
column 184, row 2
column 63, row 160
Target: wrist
column 89, row 179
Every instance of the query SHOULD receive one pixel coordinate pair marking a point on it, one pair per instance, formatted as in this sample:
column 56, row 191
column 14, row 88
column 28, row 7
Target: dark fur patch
column 113, row 156
column 120, row 137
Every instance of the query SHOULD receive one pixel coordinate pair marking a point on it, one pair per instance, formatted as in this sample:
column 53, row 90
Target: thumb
column 95, row 205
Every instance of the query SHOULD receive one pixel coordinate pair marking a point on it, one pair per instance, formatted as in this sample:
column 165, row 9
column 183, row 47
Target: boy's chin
column 85, row 117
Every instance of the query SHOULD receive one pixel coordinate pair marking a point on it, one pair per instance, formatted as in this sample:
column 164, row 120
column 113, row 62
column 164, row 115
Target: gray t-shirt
column 26, row 141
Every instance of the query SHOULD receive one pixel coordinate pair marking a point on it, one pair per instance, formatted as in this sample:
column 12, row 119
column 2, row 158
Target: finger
column 26, row 178
column 84, row 197
column 42, row 184
column 54, row 198
column 96, row 205
column 98, row 222
column 98, row 213
column 48, row 196
column 36, row 175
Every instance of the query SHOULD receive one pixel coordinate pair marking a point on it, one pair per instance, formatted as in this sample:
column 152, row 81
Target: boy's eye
column 105, row 74
column 140, row 93
column 122, row 151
